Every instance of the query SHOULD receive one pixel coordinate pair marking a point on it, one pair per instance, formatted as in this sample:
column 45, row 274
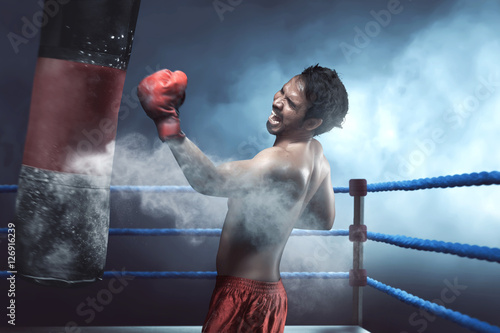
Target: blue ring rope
column 212, row 232
column 209, row 275
column 466, row 179
column 464, row 250
column 438, row 310
column 212, row 275
column 455, row 316
column 144, row 188
column 8, row 188
column 203, row 232
column 461, row 250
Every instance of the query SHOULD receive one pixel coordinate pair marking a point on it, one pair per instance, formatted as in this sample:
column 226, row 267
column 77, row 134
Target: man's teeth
column 274, row 119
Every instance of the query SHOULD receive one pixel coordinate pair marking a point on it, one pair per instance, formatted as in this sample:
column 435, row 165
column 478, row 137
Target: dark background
column 428, row 57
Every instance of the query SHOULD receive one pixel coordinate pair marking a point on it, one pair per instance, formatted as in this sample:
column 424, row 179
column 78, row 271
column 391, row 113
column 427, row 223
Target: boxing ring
column 357, row 233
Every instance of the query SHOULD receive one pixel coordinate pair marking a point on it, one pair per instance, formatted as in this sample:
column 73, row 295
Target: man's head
column 290, row 106
column 310, row 104
column 327, row 97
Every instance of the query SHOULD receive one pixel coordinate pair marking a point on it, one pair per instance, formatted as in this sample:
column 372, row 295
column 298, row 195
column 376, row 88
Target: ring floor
column 177, row 329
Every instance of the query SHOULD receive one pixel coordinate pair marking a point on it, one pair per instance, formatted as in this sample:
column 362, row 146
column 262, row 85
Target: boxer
column 283, row 187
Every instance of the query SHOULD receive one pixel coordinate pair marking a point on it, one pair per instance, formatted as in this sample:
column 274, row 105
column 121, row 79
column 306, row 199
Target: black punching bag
column 62, row 205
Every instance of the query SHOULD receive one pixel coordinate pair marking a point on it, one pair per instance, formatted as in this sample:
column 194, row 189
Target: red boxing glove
column 161, row 94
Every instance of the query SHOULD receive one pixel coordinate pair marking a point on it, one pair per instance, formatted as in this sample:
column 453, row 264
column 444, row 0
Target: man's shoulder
column 280, row 152
column 273, row 152
column 318, row 151
column 280, row 165
column 275, row 157
column 292, row 155
column 318, row 148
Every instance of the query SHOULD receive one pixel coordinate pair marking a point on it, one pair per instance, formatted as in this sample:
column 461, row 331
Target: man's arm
column 161, row 94
column 265, row 170
column 319, row 213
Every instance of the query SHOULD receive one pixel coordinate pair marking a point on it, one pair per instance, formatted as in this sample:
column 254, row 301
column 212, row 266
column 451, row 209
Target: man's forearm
column 200, row 172
column 161, row 94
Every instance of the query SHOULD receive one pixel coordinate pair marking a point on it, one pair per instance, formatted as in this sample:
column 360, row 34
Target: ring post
column 357, row 235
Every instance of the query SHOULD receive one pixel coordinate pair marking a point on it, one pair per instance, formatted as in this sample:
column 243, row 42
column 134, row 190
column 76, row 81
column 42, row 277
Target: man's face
column 289, row 108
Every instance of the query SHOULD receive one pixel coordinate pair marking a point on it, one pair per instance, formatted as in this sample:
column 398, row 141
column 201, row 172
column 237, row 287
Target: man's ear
column 312, row 123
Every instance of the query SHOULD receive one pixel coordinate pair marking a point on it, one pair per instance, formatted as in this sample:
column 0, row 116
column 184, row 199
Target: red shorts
column 244, row 305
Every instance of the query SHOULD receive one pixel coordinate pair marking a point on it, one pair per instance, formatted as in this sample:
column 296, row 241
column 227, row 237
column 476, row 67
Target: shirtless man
column 283, row 187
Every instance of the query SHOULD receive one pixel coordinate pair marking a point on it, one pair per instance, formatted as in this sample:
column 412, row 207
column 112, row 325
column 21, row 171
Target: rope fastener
column 358, row 277
column 358, row 233
column 358, row 187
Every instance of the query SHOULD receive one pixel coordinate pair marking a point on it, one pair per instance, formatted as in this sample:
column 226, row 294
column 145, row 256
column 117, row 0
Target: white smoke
column 87, row 161
column 137, row 162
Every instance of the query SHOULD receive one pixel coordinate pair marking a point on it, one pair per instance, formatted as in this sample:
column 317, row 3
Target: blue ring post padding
column 438, row 310
column 466, row 179
column 461, row 250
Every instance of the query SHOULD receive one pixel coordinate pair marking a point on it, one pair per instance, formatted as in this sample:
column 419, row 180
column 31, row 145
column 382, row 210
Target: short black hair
column 327, row 97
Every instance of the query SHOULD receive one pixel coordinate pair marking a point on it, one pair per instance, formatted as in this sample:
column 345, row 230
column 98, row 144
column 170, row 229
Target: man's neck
column 284, row 140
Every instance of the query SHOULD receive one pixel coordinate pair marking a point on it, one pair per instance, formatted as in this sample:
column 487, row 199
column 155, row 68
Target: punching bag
column 62, row 204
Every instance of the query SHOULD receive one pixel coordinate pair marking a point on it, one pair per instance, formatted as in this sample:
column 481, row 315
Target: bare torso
column 258, row 224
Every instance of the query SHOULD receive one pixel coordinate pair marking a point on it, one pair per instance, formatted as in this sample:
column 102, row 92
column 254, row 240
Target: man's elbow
column 208, row 188
column 201, row 185
column 328, row 215
column 198, row 187
column 329, row 223
column 319, row 221
column 325, row 223
column 205, row 190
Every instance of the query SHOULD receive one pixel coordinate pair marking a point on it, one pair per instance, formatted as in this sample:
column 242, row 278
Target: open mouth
column 274, row 119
